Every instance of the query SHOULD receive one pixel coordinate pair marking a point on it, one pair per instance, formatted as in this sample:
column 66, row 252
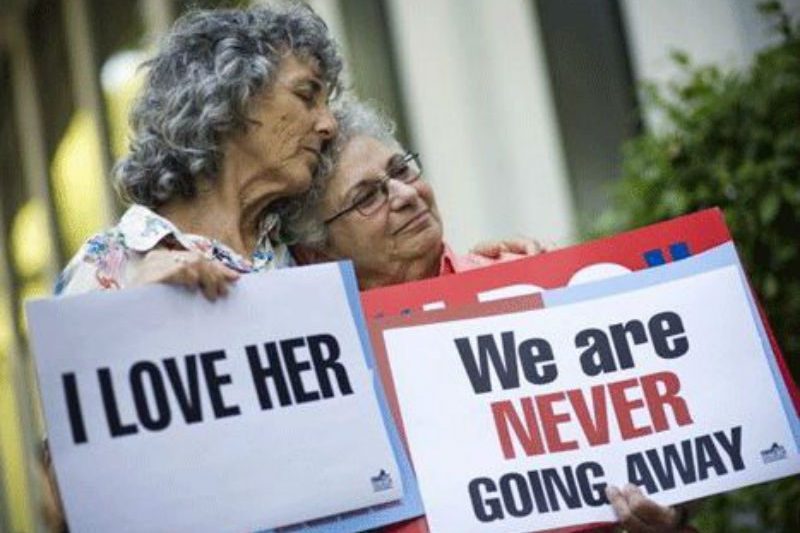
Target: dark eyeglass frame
column 381, row 186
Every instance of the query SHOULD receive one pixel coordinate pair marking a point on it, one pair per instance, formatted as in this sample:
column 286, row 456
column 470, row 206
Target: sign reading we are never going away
column 517, row 420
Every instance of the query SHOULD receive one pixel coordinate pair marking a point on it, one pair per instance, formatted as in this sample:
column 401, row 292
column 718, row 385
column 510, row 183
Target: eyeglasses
column 406, row 169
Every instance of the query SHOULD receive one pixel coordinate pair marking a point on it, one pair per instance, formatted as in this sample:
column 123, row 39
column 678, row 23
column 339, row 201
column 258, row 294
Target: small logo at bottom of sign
column 381, row 482
column 776, row 452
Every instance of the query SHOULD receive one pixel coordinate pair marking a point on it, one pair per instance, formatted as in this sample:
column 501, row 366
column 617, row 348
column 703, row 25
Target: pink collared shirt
column 452, row 263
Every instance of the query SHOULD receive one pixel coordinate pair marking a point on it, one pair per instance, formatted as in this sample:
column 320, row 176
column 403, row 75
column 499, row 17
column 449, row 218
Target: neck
column 221, row 211
column 401, row 271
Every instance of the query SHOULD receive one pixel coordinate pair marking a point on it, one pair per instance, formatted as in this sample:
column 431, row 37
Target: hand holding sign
column 187, row 268
column 638, row 514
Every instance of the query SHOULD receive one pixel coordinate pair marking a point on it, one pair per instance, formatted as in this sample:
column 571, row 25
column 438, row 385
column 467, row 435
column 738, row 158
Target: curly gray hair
column 198, row 89
column 301, row 220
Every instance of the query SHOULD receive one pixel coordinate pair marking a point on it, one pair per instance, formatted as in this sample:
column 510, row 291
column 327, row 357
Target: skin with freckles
column 400, row 242
column 274, row 158
column 289, row 124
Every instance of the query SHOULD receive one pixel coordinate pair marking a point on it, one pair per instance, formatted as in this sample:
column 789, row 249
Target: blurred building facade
column 518, row 107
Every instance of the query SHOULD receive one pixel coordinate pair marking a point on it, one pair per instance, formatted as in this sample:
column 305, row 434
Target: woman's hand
column 189, row 269
column 639, row 514
column 517, row 247
column 50, row 504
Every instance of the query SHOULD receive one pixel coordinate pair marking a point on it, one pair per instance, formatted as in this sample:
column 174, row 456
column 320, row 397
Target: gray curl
column 209, row 68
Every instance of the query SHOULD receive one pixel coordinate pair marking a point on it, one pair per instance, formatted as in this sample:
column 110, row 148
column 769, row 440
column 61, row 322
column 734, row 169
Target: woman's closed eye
column 308, row 92
column 305, row 96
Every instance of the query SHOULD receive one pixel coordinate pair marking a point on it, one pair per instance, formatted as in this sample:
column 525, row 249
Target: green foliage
column 732, row 139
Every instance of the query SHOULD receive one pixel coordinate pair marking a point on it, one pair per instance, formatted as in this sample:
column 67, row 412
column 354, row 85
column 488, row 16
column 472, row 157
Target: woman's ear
column 305, row 255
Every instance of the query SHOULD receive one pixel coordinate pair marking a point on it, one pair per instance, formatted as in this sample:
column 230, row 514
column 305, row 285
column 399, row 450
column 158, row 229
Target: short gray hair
column 209, row 68
column 301, row 221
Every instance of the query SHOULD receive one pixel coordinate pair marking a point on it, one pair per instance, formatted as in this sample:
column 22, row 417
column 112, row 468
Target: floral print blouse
column 109, row 260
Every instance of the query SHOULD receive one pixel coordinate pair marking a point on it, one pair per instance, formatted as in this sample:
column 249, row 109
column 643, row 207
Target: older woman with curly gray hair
column 231, row 122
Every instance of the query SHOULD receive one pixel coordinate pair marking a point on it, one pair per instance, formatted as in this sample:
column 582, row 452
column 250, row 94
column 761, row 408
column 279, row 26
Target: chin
column 298, row 184
column 427, row 242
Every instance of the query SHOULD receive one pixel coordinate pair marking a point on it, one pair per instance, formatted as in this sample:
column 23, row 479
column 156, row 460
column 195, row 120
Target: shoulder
column 452, row 263
column 105, row 260
column 99, row 264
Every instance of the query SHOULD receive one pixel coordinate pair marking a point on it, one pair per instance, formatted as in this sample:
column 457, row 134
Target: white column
column 29, row 120
column 723, row 32
column 479, row 104
column 86, row 89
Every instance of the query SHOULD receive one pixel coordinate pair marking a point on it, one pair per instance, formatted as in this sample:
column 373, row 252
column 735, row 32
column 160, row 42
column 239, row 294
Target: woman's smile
column 416, row 223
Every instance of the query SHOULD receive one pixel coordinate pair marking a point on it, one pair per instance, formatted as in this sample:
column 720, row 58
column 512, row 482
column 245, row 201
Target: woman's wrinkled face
column 289, row 123
column 406, row 228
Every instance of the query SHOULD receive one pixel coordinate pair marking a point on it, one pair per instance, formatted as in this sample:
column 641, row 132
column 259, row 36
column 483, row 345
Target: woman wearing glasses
column 375, row 209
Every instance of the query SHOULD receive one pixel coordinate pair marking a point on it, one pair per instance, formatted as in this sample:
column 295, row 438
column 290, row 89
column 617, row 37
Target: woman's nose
column 326, row 124
column 401, row 194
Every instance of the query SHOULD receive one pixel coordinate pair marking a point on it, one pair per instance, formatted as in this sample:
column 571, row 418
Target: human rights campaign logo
column 381, row 482
column 775, row 453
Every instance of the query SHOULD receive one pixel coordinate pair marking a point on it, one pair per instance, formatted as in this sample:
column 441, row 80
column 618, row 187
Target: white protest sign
column 169, row 413
column 516, row 422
